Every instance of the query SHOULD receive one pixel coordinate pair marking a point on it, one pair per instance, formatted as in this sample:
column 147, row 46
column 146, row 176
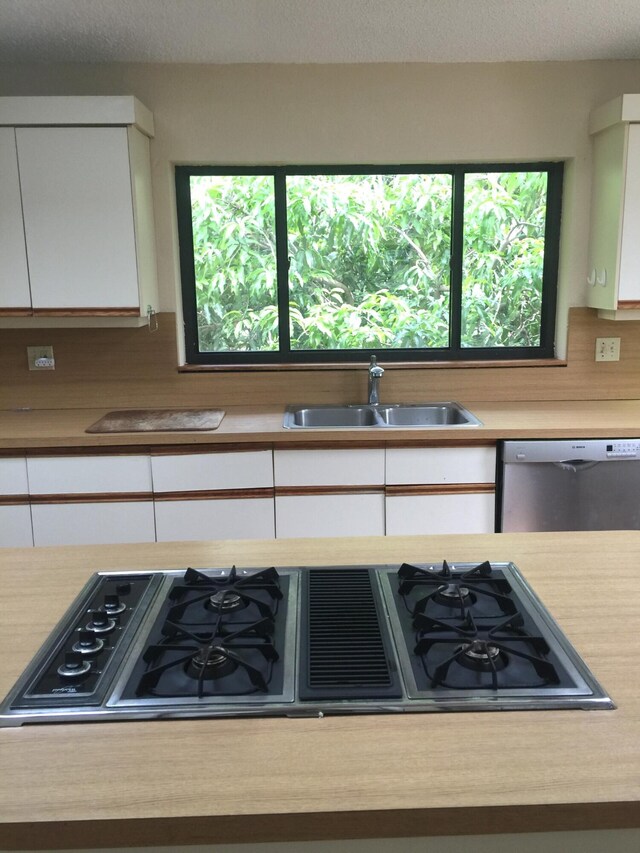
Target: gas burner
column 225, row 600
column 481, row 656
column 453, row 595
column 211, row 662
column 439, row 591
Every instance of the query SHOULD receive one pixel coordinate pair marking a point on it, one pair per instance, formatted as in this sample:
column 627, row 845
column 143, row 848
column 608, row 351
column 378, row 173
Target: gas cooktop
column 302, row 641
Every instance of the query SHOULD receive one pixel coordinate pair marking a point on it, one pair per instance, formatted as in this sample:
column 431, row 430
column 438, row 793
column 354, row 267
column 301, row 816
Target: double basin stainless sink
column 380, row 415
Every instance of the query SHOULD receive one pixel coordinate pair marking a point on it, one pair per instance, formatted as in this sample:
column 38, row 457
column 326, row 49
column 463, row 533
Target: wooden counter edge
column 239, row 829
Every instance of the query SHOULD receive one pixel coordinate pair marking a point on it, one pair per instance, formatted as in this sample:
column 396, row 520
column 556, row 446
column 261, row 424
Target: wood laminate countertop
column 41, row 429
column 225, row 780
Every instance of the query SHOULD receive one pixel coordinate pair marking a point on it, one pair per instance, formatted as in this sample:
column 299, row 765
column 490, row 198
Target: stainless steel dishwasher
column 570, row 485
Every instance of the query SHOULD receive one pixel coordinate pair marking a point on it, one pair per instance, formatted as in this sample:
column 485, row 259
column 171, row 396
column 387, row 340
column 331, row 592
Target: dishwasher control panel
column 572, row 452
column 622, row 449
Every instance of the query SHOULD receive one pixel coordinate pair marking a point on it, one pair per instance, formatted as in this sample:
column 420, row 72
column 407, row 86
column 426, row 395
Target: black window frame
column 454, row 352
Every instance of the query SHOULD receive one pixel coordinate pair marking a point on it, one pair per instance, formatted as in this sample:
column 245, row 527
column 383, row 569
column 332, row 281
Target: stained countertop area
column 188, row 781
column 42, row 429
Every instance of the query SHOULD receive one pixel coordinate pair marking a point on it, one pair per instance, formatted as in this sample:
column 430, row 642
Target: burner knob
column 88, row 643
column 113, row 605
column 74, row 666
column 101, row 623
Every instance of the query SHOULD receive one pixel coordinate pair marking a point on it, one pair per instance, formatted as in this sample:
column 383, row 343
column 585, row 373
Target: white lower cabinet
column 423, row 514
column 242, row 518
column 329, row 492
column 440, row 490
column 224, row 495
column 329, row 515
column 91, row 500
column 15, row 513
column 15, row 526
column 93, row 523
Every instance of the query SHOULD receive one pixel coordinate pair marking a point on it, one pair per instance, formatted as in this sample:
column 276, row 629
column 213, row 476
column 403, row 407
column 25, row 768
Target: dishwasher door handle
column 576, row 465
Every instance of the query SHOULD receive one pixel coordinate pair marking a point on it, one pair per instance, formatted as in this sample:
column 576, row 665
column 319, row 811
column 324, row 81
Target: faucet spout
column 375, row 375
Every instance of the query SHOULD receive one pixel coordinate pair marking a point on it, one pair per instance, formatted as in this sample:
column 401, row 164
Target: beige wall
column 358, row 113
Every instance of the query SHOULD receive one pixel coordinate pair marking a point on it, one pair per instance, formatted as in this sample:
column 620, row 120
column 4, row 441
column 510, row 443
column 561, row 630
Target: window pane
column 503, row 247
column 369, row 261
column 235, row 262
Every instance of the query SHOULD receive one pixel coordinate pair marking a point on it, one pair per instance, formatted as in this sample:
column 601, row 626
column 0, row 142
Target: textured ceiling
column 317, row 31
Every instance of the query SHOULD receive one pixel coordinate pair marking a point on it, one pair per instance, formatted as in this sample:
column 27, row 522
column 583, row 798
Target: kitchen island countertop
column 189, row 781
column 60, row 429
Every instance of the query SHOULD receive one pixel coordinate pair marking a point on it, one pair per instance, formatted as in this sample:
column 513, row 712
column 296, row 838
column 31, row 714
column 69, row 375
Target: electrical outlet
column 41, row 358
column 607, row 349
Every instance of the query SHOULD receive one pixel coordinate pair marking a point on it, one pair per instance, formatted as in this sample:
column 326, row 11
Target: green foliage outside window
column 369, row 260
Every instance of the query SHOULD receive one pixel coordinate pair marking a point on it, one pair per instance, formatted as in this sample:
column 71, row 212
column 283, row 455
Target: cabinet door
column 243, row 518
column 93, row 523
column 15, row 526
column 14, row 274
column 78, row 216
column 629, row 283
column 15, row 512
column 329, row 515
column 409, row 515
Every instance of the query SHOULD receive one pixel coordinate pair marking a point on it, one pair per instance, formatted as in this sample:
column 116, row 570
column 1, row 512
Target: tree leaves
column 369, row 260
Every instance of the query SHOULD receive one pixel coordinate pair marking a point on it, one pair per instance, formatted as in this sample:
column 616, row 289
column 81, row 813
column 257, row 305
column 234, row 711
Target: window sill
column 395, row 365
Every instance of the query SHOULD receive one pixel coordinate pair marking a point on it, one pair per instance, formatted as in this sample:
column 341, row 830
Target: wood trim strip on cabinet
column 14, row 500
column 295, row 491
column 16, row 312
column 93, row 498
column 628, row 304
column 216, row 494
column 379, row 443
column 441, row 489
column 87, row 312
column 193, row 449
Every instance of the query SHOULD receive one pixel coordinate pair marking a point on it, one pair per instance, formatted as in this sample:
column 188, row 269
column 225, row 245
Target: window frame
column 454, row 352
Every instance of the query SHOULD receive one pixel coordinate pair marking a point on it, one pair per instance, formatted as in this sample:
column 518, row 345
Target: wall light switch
column 41, row 358
column 607, row 349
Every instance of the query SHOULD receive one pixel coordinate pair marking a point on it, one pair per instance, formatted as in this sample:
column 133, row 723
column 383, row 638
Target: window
column 293, row 264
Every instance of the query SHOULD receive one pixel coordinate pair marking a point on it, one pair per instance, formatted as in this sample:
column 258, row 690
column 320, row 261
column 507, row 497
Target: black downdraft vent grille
column 345, row 647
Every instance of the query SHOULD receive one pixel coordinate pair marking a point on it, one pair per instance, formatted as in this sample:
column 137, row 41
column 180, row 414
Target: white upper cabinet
column 79, row 198
column 613, row 276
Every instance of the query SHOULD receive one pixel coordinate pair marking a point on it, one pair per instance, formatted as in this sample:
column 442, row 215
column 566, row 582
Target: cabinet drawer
column 210, row 471
column 440, row 465
column 215, row 519
column 329, row 515
column 88, row 474
column 329, row 467
column 426, row 514
column 13, row 477
column 93, row 523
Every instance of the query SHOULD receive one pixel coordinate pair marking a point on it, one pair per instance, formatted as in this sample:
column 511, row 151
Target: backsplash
column 131, row 368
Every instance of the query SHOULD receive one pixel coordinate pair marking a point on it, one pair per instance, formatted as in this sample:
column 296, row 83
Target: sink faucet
column 375, row 375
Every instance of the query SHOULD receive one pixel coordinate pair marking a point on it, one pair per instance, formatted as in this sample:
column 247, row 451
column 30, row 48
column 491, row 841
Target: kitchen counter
column 189, row 781
column 35, row 429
